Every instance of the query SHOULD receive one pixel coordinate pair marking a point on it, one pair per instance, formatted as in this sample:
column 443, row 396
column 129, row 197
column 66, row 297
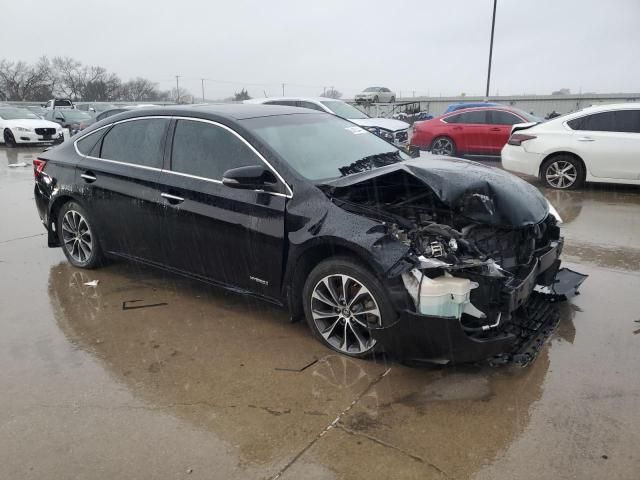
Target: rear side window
column 504, row 118
column 63, row 103
column 90, row 145
column 139, row 142
column 479, row 117
column 626, row 121
column 452, row 119
column 207, row 151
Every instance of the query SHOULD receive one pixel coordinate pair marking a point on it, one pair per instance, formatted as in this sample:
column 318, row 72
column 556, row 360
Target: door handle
column 586, row 139
column 172, row 199
column 88, row 177
column 495, row 129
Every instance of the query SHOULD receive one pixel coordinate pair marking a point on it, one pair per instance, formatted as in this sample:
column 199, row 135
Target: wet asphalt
column 212, row 385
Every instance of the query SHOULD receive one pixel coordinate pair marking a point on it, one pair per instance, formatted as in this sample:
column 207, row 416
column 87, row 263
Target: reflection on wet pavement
column 218, row 385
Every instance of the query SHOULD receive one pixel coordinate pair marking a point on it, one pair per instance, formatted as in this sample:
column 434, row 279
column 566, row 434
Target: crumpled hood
column 386, row 123
column 481, row 193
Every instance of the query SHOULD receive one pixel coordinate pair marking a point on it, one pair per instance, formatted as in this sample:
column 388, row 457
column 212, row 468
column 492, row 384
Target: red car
column 473, row 131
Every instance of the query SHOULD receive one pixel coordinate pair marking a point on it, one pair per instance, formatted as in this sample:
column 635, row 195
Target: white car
column 375, row 95
column 597, row 144
column 20, row 126
column 394, row 131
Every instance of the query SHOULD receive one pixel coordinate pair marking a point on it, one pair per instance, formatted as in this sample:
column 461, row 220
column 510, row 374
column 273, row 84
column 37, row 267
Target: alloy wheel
column 76, row 236
column 442, row 146
column 561, row 174
column 344, row 311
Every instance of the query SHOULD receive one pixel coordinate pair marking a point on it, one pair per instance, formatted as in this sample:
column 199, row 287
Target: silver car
column 376, row 95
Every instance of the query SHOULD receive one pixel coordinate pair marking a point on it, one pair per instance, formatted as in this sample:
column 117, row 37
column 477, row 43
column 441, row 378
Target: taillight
column 517, row 139
column 38, row 166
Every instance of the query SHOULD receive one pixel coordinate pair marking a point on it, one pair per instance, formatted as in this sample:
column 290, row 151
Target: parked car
column 20, row 126
column 597, row 144
column 95, row 107
column 464, row 105
column 475, row 131
column 71, row 119
column 37, row 109
column 375, row 95
column 59, row 104
column 392, row 130
column 431, row 259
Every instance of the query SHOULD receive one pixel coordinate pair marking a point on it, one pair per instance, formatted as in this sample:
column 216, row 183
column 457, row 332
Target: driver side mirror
column 254, row 177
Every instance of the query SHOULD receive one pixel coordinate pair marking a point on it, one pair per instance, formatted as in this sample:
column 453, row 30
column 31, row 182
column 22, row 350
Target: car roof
column 612, row 106
column 231, row 111
column 488, row 107
column 260, row 101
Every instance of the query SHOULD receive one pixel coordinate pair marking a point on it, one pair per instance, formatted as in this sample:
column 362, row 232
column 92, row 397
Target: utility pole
column 493, row 26
column 177, row 89
column 202, row 79
column 324, row 91
column 283, row 89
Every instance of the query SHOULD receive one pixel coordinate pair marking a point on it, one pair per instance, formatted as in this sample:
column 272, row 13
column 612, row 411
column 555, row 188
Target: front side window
column 207, row 150
column 139, row 142
column 63, row 103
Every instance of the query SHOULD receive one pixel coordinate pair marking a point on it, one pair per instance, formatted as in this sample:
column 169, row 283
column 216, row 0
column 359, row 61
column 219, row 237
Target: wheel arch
column 559, row 153
column 308, row 259
column 54, row 208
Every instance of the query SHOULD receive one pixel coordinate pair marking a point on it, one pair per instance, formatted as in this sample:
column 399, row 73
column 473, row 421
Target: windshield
column 323, row 147
column 343, row 109
column 17, row 114
column 371, row 89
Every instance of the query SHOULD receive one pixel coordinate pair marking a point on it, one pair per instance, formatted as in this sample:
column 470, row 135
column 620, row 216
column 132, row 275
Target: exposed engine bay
column 473, row 262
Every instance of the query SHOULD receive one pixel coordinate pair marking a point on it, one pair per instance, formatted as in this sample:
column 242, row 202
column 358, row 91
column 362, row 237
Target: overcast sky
column 426, row 46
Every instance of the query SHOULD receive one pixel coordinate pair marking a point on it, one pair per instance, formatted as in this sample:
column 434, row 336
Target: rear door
column 231, row 236
column 609, row 143
column 501, row 122
column 119, row 176
column 474, row 128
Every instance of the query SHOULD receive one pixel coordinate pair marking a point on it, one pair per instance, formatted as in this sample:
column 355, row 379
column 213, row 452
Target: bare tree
column 332, row 93
column 21, row 81
column 139, row 89
column 241, row 95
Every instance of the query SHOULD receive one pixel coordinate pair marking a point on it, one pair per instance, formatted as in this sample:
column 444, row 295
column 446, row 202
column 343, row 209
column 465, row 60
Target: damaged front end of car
column 482, row 268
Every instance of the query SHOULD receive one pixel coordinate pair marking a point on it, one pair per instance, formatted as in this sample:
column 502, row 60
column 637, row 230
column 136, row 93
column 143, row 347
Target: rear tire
column 562, row 172
column 78, row 237
column 443, row 146
column 342, row 300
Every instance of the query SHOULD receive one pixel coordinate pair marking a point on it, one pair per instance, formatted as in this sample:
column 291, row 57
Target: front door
column 231, row 236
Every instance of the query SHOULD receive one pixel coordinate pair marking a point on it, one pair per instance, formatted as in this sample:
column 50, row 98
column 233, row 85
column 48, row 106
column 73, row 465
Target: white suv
column 597, row 144
column 394, row 131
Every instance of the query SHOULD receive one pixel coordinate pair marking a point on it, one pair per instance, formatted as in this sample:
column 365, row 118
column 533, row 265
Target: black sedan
column 428, row 258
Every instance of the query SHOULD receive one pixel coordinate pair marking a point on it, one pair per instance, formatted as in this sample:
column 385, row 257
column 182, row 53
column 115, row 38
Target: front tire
column 78, row 237
column 562, row 172
column 443, row 146
column 9, row 139
column 342, row 302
